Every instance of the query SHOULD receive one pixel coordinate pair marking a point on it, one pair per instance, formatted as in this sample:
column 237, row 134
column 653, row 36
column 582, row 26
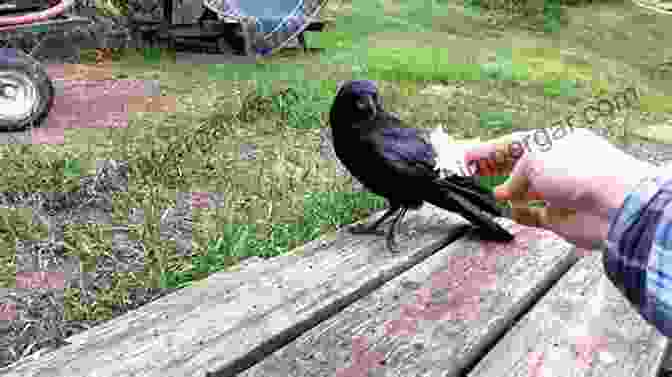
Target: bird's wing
column 405, row 151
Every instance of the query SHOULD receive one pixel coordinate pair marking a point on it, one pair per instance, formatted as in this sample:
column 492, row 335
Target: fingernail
column 501, row 193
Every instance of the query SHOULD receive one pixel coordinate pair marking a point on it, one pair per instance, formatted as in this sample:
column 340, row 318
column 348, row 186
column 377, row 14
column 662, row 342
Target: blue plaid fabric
column 638, row 259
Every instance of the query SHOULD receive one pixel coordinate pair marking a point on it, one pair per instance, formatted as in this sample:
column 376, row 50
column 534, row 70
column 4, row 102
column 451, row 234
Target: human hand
column 581, row 179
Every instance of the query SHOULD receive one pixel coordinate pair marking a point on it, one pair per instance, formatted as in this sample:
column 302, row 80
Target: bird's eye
column 361, row 104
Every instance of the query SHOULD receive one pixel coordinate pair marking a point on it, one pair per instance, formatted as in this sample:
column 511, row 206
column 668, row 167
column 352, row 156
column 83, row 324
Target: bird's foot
column 392, row 246
column 365, row 229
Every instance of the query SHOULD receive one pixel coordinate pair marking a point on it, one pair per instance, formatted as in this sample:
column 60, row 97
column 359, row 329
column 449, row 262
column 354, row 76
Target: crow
column 399, row 163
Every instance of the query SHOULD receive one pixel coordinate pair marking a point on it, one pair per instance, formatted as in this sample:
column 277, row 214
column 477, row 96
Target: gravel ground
column 39, row 325
column 655, row 153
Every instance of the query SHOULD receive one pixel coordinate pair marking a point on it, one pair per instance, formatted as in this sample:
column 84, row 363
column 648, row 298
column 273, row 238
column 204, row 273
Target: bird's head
column 356, row 101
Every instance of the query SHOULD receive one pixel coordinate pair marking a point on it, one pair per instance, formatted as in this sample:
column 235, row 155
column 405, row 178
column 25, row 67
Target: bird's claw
column 392, row 246
column 365, row 229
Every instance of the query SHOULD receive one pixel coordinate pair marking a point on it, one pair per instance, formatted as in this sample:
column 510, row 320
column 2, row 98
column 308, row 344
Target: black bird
column 399, row 164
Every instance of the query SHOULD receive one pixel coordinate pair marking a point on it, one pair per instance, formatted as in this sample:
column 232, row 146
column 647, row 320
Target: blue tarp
column 277, row 20
column 270, row 14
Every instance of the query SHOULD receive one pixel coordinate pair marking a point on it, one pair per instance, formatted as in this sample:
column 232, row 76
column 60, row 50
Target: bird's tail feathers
column 470, row 190
column 488, row 228
column 475, row 204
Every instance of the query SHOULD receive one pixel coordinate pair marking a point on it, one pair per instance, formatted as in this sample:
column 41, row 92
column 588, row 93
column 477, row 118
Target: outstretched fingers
column 503, row 157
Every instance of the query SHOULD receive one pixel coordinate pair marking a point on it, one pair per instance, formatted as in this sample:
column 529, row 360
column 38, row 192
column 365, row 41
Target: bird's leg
column 391, row 243
column 372, row 228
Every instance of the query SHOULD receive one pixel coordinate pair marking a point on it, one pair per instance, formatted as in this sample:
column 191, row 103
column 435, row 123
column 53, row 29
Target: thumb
column 517, row 185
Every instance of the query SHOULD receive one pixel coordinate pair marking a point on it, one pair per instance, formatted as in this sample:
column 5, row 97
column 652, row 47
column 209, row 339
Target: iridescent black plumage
column 400, row 165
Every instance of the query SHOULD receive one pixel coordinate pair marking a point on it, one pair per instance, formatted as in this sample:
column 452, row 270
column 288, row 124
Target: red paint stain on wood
column 40, row 280
column 362, row 360
column 7, row 311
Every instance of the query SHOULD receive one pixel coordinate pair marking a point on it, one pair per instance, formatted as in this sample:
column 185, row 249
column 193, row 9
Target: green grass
column 322, row 211
column 331, row 40
column 497, row 120
column 420, row 64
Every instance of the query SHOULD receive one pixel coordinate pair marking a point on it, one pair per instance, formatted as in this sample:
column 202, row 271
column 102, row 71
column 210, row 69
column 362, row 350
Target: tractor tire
column 26, row 91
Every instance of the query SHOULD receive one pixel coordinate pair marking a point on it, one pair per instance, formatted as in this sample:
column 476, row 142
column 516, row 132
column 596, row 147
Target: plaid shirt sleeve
column 638, row 256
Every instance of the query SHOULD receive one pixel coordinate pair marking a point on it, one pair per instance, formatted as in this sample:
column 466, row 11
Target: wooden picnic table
column 448, row 305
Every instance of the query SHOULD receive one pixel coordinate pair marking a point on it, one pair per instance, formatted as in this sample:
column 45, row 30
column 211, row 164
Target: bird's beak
column 338, row 87
column 372, row 106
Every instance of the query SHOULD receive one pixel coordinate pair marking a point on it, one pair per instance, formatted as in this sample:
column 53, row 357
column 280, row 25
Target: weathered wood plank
column 583, row 327
column 476, row 290
column 236, row 318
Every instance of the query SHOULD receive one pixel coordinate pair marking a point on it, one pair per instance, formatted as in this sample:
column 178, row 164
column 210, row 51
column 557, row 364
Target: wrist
column 612, row 198
column 613, row 195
